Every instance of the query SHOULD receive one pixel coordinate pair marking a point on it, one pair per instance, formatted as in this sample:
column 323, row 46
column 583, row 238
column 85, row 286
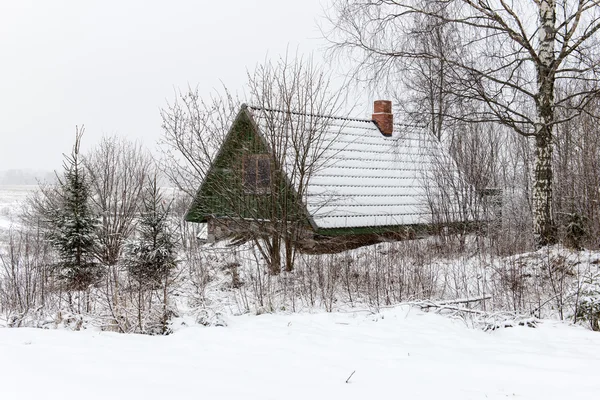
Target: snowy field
column 401, row 353
column 11, row 199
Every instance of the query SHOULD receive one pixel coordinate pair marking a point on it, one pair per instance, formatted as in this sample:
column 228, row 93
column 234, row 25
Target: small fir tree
column 72, row 225
column 588, row 305
column 152, row 255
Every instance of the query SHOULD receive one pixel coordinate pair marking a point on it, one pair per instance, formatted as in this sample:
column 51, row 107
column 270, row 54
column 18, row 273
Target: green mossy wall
column 222, row 193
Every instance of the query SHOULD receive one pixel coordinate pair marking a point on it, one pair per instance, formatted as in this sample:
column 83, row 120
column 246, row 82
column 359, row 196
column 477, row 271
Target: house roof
column 361, row 178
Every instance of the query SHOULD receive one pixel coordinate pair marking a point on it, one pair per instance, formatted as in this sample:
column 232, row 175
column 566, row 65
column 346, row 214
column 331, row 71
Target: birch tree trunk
column 543, row 222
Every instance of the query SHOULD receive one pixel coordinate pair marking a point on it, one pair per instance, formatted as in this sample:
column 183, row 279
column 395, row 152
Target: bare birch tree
column 510, row 56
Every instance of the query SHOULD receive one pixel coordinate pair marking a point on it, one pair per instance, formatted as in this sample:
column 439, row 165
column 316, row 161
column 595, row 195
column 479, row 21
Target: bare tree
column 510, row 57
column 577, row 179
column 292, row 100
column 422, row 87
column 193, row 129
column 24, row 275
column 118, row 171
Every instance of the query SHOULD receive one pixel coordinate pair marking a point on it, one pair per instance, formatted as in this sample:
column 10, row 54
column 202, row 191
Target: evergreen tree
column 72, row 225
column 152, row 255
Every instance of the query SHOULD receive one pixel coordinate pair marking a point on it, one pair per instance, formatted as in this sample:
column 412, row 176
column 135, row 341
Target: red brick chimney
column 383, row 117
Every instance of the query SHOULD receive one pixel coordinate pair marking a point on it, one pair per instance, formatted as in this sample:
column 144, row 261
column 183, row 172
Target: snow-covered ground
column 11, row 201
column 401, row 353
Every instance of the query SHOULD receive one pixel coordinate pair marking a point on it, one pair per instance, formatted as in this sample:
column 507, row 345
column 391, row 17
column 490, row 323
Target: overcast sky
column 111, row 64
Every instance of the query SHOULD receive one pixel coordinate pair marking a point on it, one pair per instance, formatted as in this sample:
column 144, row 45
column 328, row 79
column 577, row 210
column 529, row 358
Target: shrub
column 588, row 305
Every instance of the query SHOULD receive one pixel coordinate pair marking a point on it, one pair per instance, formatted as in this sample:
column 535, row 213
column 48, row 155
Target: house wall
column 222, row 194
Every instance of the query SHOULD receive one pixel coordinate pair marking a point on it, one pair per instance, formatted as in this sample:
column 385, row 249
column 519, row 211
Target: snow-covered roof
column 359, row 177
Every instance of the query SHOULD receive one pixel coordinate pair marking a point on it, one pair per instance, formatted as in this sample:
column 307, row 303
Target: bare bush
column 25, row 279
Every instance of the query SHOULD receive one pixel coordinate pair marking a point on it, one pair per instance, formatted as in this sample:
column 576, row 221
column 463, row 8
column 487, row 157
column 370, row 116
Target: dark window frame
column 256, row 173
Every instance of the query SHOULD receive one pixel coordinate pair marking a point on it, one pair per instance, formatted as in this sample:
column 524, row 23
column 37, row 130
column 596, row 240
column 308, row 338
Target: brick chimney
column 383, row 117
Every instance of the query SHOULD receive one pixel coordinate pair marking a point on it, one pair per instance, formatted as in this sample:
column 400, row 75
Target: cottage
column 323, row 183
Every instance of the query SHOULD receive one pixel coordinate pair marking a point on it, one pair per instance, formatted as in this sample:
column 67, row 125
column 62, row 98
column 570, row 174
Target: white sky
column 111, row 64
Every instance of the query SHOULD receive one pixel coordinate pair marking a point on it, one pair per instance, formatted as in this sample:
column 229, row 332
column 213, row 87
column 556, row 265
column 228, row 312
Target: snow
column 399, row 353
column 12, row 198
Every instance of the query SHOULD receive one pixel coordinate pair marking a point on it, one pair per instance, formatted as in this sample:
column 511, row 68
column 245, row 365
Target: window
column 256, row 172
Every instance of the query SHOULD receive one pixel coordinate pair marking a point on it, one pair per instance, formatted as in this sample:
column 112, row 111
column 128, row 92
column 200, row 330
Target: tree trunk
column 165, row 318
column 275, row 256
column 289, row 254
column 543, row 223
column 290, row 238
column 140, row 305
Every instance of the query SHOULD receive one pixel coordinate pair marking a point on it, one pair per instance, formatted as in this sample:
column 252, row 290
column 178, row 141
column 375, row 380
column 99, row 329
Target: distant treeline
column 25, row 177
